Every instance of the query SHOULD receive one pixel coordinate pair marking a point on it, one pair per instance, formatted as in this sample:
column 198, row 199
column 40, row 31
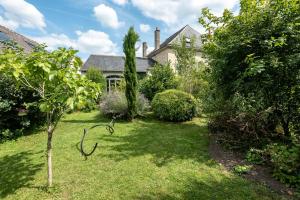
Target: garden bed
column 258, row 173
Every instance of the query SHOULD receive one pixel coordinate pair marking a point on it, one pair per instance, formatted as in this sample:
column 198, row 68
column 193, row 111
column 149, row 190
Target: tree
column 255, row 59
column 54, row 77
column 130, row 71
column 192, row 73
column 95, row 75
column 185, row 53
column 160, row 78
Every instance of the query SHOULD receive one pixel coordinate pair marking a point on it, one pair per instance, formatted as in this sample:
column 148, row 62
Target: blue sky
column 98, row 26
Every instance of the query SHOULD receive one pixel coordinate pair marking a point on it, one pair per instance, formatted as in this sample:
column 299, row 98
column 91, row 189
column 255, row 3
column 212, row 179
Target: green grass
column 146, row 159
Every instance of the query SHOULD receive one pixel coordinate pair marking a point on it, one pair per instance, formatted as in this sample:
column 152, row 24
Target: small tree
column 185, row 53
column 192, row 74
column 160, row 78
column 96, row 76
column 130, row 71
column 54, row 77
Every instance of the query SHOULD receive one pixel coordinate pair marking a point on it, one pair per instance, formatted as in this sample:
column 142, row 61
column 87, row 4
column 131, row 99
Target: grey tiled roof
column 186, row 31
column 24, row 42
column 115, row 63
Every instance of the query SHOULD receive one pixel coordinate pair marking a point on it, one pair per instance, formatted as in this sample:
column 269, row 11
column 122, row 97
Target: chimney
column 157, row 38
column 145, row 49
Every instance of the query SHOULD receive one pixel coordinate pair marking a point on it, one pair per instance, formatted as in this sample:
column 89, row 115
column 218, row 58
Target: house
column 112, row 67
column 163, row 53
column 7, row 35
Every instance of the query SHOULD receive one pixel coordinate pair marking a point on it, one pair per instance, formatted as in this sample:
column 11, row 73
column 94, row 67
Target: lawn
column 146, row 159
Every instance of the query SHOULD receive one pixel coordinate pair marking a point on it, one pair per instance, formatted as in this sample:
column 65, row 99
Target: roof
column 24, row 42
column 186, row 31
column 115, row 63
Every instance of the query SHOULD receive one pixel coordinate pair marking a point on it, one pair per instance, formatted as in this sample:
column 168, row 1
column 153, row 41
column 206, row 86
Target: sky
column 99, row 26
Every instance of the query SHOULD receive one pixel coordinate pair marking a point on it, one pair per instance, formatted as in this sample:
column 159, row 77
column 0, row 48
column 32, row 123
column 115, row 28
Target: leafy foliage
column 130, row 71
column 18, row 109
column 255, row 74
column 255, row 156
column 285, row 160
column 96, row 76
column 256, row 55
column 185, row 53
column 242, row 169
column 174, row 105
column 160, row 78
column 193, row 74
column 54, row 77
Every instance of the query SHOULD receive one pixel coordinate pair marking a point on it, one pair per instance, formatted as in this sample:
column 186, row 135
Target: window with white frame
column 113, row 82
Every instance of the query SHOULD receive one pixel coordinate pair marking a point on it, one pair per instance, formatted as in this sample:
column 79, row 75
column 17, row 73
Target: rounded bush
column 174, row 105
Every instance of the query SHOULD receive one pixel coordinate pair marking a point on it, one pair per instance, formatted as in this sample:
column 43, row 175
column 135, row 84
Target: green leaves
column 53, row 75
column 160, row 78
column 70, row 103
column 255, row 68
column 44, row 107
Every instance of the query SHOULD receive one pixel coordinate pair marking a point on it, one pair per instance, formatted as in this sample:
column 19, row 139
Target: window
column 113, row 82
column 188, row 41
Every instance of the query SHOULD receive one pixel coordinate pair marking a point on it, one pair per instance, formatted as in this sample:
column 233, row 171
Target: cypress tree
column 130, row 71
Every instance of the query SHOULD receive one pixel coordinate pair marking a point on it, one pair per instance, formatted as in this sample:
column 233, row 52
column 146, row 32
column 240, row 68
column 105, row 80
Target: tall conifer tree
column 130, row 71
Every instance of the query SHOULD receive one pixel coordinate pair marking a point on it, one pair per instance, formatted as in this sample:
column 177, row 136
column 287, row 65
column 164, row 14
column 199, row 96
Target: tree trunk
column 49, row 155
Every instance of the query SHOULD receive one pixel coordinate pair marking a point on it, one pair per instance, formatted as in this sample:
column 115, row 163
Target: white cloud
column 90, row 42
column 54, row 41
column 107, row 16
column 180, row 12
column 144, row 28
column 120, row 2
column 19, row 13
column 96, row 42
column 8, row 23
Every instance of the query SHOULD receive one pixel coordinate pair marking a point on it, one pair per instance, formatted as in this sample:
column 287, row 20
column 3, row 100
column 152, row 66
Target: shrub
column 245, row 131
column 160, row 78
column 285, row 160
column 242, row 169
column 18, row 109
column 115, row 103
column 96, row 76
column 142, row 104
column 174, row 105
column 255, row 156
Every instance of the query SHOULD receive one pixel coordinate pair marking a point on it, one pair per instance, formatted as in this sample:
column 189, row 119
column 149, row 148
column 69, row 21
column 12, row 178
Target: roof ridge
column 18, row 34
column 170, row 39
column 103, row 55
